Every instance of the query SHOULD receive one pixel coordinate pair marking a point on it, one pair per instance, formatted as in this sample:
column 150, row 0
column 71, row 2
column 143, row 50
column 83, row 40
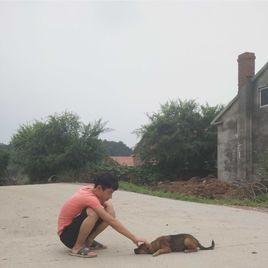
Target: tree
column 179, row 139
column 4, row 160
column 59, row 144
column 114, row 148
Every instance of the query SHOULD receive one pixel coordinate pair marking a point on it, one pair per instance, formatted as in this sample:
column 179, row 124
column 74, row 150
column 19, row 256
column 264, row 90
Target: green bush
column 59, row 144
column 144, row 175
column 4, row 160
column 179, row 139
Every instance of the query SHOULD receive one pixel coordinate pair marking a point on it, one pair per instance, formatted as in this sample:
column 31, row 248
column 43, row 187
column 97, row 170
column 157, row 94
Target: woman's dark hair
column 106, row 180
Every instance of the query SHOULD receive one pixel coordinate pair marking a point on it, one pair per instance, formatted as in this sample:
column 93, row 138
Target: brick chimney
column 246, row 68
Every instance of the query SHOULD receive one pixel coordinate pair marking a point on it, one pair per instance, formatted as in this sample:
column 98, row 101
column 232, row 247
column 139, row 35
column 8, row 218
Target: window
column 264, row 96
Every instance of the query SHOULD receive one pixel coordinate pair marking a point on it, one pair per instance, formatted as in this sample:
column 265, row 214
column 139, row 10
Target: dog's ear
column 141, row 243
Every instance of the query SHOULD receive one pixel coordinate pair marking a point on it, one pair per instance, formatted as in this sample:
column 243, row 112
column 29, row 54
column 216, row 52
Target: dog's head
column 144, row 248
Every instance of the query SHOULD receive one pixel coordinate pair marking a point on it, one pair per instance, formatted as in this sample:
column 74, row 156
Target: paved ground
column 28, row 218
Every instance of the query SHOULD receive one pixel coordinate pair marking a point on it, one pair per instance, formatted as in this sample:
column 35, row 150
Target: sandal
column 84, row 253
column 97, row 246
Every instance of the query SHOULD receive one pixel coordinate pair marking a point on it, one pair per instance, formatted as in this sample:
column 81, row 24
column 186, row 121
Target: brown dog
column 172, row 243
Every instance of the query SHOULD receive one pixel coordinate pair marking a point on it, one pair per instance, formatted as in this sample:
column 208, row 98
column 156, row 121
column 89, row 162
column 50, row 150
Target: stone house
column 243, row 124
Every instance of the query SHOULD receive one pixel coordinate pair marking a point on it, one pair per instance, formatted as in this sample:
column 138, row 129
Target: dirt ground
column 210, row 187
column 28, row 224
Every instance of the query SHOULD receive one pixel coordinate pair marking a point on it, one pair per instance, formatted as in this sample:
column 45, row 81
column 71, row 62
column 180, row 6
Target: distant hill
column 114, row 148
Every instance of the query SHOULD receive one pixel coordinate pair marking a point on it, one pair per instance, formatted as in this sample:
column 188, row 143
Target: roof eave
column 260, row 72
column 216, row 121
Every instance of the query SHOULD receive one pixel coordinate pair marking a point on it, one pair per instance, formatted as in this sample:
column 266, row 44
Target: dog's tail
column 207, row 248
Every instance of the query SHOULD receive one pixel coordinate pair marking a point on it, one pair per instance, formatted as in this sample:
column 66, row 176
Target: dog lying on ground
column 172, row 243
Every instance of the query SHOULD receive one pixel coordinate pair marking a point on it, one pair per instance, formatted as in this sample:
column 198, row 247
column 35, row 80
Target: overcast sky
column 120, row 60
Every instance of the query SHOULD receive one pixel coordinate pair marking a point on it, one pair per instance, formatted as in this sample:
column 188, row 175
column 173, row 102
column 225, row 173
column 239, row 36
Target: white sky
column 120, row 60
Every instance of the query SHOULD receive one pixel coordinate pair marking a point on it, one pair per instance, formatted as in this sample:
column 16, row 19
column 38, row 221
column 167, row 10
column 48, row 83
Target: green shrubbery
column 58, row 145
column 179, row 139
column 138, row 175
column 4, row 160
column 177, row 142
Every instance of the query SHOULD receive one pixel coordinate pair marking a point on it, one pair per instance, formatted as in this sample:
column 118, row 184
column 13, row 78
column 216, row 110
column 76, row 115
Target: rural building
column 243, row 124
column 130, row 161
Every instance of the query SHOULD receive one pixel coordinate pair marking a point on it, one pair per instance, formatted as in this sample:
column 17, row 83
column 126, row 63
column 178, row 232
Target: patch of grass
column 261, row 201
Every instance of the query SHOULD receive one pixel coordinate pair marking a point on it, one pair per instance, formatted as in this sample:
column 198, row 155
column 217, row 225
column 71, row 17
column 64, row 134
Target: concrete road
column 28, row 219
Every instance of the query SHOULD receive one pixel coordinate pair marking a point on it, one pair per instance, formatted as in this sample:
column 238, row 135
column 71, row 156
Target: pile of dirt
column 208, row 187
